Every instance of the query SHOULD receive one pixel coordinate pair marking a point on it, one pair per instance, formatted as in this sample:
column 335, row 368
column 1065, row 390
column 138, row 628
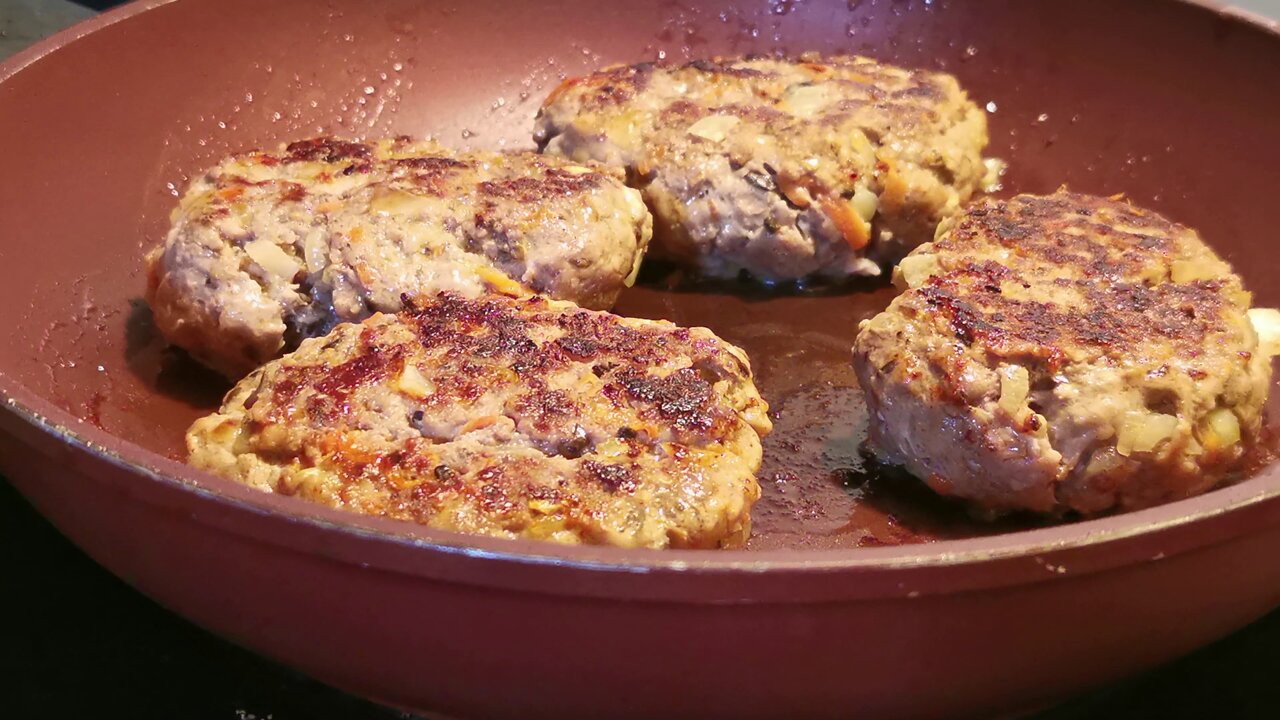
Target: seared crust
column 1064, row 352
column 1106, row 266
column 818, row 166
column 268, row 248
column 514, row 418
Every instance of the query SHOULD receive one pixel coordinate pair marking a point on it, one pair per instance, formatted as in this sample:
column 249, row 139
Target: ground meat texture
column 518, row 418
column 1064, row 353
column 786, row 169
column 269, row 248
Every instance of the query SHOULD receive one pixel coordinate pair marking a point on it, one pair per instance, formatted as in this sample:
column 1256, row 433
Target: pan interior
column 105, row 132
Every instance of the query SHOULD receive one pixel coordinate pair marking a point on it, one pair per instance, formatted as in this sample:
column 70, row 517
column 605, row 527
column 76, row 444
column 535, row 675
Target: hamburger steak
column 269, row 248
column 785, row 169
column 1065, row 353
column 509, row 417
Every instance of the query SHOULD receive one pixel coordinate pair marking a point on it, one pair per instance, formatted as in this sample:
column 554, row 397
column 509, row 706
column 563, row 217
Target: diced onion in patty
column 714, row 127
column 1266, row 322
column 1143, row 432
column 272, row 259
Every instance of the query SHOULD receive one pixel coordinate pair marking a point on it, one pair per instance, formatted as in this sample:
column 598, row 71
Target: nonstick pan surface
column 101, row 127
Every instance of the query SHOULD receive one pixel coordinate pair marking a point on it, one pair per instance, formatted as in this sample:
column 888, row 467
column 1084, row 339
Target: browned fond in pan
column 1163, row 101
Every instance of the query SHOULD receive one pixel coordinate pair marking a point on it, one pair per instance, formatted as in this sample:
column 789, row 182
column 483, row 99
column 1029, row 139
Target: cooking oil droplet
column 991, row 106
column 970, row 52
column 368, row 90
column 466, row 134
column 222, row 125
column 173, row 189
column 397, row 67
column 1042, row 117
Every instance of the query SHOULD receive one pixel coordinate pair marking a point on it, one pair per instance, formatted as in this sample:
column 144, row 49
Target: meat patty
column 268, row 248
column 508, row 417
column 786, row 169
column 1064, row 353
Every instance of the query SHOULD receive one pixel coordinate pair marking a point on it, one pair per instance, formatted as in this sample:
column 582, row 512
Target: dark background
column 75, row 642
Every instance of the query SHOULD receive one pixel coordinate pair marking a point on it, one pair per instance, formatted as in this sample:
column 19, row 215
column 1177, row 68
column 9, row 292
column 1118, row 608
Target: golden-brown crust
column 1064, row 352
column 752, row 163
column 506, row 417
column 273, row 246
column 1111, row 259
column 490, row 345
column 902, row 96
column 555, row 183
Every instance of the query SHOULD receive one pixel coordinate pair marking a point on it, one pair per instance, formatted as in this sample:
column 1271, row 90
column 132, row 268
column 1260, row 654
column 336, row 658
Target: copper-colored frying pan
column 859, row 595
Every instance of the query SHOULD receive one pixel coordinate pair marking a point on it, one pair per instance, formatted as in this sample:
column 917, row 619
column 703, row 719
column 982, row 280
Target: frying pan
column 859, row 595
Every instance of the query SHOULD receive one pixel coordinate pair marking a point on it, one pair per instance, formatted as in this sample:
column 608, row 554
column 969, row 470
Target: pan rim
column 1039, row 543
column 65, row 428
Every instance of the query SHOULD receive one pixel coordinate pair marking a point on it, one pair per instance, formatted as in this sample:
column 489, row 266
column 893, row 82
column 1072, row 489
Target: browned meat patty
column 1065, row 353
column 785, row 169
column 268, row 248
column 508, row 417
